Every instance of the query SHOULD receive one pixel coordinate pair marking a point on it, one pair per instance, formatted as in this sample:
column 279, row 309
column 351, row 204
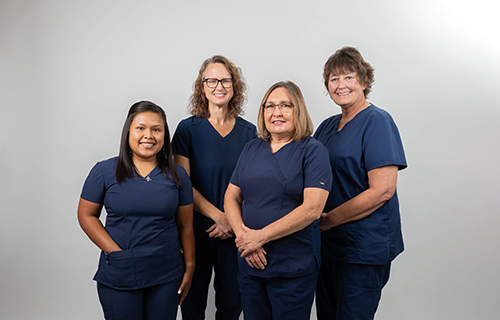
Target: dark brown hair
column 126, row 167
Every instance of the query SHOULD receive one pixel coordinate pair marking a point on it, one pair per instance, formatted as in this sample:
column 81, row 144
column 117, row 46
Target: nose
column 276, row 108
column 219, row 86
column 341, row 83
column 147, row 133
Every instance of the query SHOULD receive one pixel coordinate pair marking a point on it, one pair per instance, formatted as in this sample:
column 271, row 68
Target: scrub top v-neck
column 212, row 158
column 141, row 220
column 272, row 185
column 370, row 140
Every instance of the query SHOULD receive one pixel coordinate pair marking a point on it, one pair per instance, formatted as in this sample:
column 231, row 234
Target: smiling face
column 345, row 90
column 280, row 123
column 146, row 136
column 218, row 96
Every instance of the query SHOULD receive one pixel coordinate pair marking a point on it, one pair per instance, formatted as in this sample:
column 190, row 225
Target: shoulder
column 375, row 112
column 327, row 123
column 255, row 143
column 245, row 124
column 180, row 170
column 108, row 164
column 312, row 145
column 187, row 123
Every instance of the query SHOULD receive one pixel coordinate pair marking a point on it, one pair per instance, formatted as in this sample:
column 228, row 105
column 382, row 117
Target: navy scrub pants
column 277, row 298
column 221, row 255
column 349, row 291
column 158, row 302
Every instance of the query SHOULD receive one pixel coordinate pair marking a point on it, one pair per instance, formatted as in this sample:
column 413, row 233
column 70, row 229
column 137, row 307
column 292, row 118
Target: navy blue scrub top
column 212, row 158
column 370, row 140
column 272, row 185
column 141, row 220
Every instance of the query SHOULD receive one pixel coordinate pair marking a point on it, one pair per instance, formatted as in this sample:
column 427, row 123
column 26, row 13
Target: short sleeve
column 382, row 145
column 317, row 169
column 181, row 140
column 94, row 188
column 185, row 188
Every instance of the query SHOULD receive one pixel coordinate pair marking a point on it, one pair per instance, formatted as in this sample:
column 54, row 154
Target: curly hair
column 302, row 121
column 198, row 103
column 349, row 59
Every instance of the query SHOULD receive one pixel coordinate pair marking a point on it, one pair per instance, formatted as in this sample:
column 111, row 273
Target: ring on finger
column 250, row 259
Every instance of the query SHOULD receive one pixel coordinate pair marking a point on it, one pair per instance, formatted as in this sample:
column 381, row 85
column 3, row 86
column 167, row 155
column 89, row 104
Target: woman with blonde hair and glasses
column 278, row 190
column 207, row 145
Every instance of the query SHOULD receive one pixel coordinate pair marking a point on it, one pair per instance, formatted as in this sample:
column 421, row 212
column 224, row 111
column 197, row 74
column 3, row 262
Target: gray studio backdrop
column 69, row 71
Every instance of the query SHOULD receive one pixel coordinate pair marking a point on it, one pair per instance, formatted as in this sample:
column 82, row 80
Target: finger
column 211, row 228
column 262, row 257
column 249, row 262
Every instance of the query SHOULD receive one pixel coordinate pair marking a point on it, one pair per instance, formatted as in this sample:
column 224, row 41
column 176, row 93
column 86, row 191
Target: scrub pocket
column 117, row 270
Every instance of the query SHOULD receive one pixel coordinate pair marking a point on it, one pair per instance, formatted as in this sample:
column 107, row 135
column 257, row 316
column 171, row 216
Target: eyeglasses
column 284, row 107
column 213, row 83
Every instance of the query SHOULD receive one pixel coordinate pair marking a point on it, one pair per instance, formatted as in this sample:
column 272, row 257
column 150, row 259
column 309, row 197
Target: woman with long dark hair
column 147, row 259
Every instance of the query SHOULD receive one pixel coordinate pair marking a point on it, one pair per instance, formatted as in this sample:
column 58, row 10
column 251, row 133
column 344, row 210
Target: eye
column 228, row 80
column 349, row 77
column 333, row 79
column 140, row 128
column 285, row 106
column 211, row 81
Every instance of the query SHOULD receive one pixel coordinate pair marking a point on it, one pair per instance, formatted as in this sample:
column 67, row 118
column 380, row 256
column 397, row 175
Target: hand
column 185, row 285
column 223, row 224
column 215, row 232
column 257, row 259
column 249, row 241
column 325, row 222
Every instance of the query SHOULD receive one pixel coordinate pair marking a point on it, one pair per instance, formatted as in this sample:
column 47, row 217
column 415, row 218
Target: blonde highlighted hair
column 303, row 124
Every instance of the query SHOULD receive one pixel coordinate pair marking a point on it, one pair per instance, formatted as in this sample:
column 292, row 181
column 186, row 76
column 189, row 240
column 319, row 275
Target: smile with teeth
column 147, row 144
column 343, row 93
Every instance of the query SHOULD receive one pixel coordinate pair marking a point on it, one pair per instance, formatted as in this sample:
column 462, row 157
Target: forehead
column 279, row 95
column 341, row 71
column 216, row 70
column 149, row 118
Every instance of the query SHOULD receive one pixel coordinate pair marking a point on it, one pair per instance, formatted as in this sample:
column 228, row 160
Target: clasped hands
column 249, row 244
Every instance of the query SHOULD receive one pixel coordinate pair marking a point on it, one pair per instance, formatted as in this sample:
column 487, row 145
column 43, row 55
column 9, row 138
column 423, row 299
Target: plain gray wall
column 69, row 71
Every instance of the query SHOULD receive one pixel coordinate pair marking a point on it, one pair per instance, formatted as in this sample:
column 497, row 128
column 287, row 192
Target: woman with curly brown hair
column 208, row 145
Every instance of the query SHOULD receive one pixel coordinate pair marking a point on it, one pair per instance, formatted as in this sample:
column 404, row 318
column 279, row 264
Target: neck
column 277, row 142
column 144, row 166
column 350, row 112
column 219, row 114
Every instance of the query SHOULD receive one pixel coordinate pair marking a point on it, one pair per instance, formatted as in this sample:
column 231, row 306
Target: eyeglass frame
column 219, row 81
column 279, row 106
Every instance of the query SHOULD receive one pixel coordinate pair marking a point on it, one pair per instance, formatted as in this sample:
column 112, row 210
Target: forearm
column 94, row 229
column 204, row 207
column 299, row 218
column 184, row 220
column 186, row 237
column 382, row 186
column 233, row 214
column 232, row 208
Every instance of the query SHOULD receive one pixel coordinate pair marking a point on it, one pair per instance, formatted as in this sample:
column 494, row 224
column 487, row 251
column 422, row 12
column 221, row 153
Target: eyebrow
column 155, row 125
column 282, row 101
